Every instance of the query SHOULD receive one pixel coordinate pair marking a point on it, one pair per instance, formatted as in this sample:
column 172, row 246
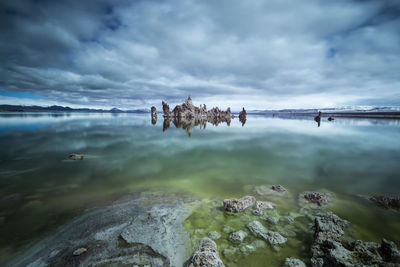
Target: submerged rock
column 315, row 200
column 386, row 202
column 214, row 235
column 206, row 254
column 238, row 236
column 331, row 248
column 236, row 205
column 273, row 220
column 229, row 251
column 278, row 188
column 266, row 191
column 260, row 206
column 292, row 262
column 79, row 251
column 286, row 219
column 274, row 238
column 75, row 157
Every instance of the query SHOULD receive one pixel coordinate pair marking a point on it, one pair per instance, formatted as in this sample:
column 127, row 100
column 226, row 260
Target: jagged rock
column 242, row 116
column 206, row 254
column 75, row 157
column 332, row 248
column 238, row 236
column 165, row 107
column 214, row 235
column 153, row 115
column 236, row 205
column 292, row 262
column 257, row 229
column 79, row 251
column 386, row 202
column 260, row 206
column 315, row 200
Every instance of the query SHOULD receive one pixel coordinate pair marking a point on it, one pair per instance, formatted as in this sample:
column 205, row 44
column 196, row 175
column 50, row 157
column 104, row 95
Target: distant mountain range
column 329, row 110
column 19, row 108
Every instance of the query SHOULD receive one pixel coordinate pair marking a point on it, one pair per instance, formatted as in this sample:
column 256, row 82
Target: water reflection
column 188, row 125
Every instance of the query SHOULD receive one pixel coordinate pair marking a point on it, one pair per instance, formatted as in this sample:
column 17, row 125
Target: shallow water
column 40, row 189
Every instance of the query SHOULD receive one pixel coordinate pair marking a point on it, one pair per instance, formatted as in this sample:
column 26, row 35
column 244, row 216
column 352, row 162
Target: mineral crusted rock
column 236, row 205
column 238, row 236
column 332, row 248
column 260, row 206
column 206, row 254
column 79, row 251
column 257, row 229
column 187, row 116
column 75, row 157
column 386, row 202
column 292, row 262
column 315, row 200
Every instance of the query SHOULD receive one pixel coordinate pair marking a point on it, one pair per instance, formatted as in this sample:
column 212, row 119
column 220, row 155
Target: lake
column 41, row 189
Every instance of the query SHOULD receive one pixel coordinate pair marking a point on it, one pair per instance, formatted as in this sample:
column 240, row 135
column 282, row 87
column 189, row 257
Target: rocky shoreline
column 148, row 229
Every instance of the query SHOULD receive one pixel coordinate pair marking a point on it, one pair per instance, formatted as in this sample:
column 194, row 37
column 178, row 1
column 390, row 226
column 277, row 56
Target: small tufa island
column 187, row 116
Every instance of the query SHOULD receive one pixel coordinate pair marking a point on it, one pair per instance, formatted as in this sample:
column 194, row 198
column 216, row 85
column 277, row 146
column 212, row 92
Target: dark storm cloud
column 263, row 54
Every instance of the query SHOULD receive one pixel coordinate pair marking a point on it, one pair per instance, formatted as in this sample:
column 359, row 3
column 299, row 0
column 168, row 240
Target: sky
column 270, row 54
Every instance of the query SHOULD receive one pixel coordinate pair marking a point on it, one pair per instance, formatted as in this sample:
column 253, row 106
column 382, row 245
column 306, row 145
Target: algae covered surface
column 41, row 189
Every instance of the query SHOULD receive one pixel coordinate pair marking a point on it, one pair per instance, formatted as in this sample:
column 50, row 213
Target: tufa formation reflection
column 187, row 116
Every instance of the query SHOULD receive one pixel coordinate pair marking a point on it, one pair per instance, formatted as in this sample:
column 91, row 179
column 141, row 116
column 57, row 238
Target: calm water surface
column 40, row 189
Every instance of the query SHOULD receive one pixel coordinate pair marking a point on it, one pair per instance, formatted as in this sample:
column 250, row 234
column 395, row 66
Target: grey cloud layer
column 264, row 54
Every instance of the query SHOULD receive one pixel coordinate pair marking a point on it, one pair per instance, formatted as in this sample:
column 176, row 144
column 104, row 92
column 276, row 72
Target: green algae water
column 41, row 189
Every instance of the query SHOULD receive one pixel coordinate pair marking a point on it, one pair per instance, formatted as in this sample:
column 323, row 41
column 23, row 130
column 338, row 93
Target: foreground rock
column 274, row 238
column 236, row 205
column 206, row 254
column 386, row 202
column 161, row 229
column 331, row 248
column 125, row 233
column 315, row 200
